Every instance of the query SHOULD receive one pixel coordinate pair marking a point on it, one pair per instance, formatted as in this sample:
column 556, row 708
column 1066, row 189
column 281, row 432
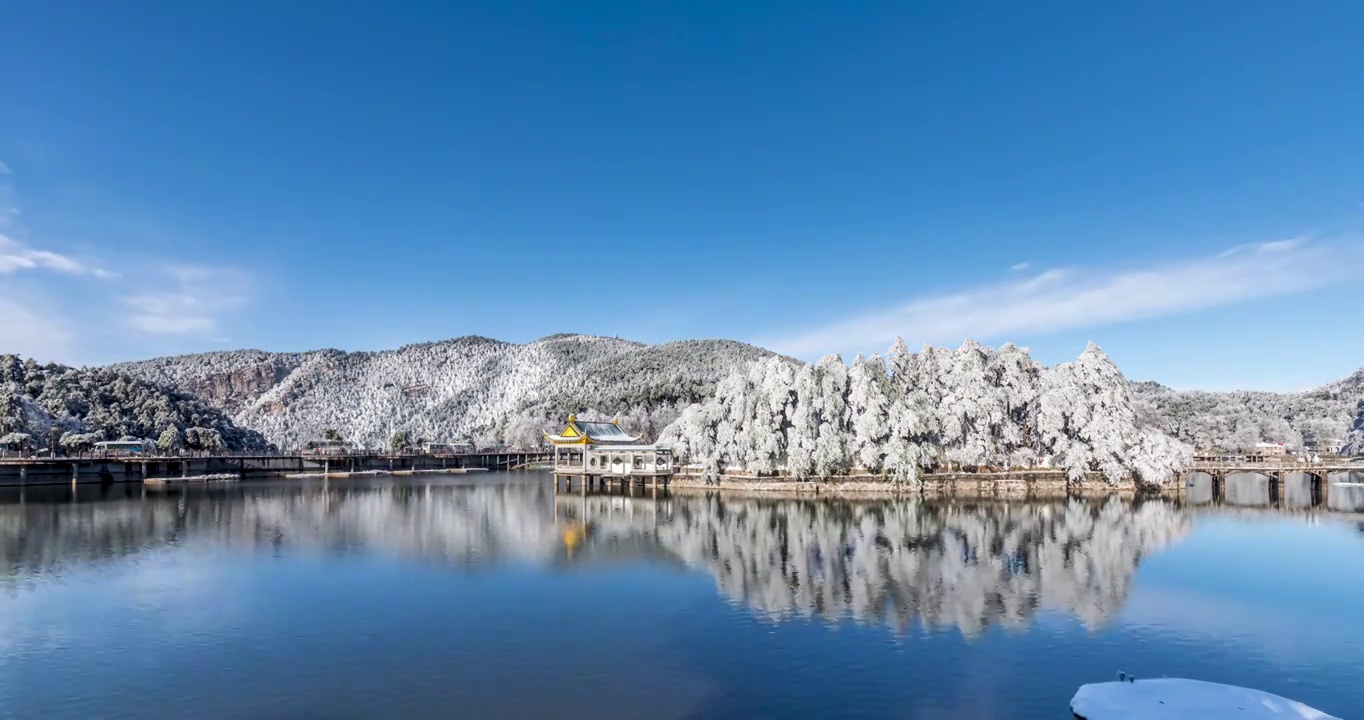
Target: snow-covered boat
column 1180, row 699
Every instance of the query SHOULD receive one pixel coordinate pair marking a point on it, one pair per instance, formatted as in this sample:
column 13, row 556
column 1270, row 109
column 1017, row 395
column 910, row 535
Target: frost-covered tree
column 734, row 395
column 16, row 441
column 969, row 408
column 972, row 407
column 1014, row 377
column 170, row 440
column 831, row 414
column 771, row 383
column 912, row 423
column 197, row 438
column 49, row 401
column 693, row 439
column 1354, row 440
column 868, row 411
column 399, row 441
column 802, row 434
column 528, row 431
column 79, row 442
column 1087, row 422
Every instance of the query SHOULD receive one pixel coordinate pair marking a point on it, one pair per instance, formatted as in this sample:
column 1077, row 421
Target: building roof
column 591, row 433
column 637, row 448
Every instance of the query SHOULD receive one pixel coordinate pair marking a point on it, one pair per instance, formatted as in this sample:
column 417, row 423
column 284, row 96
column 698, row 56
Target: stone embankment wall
column 1034, row 483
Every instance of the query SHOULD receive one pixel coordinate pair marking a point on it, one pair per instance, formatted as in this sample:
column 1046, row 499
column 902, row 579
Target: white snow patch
column 1171, row 698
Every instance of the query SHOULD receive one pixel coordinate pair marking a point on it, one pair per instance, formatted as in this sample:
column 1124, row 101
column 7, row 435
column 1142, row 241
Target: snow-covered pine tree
column 1086, row 418
column 983, row 407
column 968, row 409
column 868, row 411
column 831, row 410
column 735, row 398
column 1014, row 374
column 911, row 423
column 1354, row 440
column 771, row 381
column 803, row 434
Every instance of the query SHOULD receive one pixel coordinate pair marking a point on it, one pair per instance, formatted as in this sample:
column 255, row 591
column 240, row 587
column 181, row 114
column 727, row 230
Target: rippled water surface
column 490, row 596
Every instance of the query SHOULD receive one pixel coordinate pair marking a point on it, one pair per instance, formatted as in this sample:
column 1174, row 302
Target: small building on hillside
column 600, row 449
column 1269, row 449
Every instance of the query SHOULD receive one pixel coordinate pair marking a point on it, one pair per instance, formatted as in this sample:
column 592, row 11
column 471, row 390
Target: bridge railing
column 203, row 454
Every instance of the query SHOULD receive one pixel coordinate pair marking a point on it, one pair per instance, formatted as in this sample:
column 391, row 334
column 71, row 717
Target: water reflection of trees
column 963, row 566
column 893, row 562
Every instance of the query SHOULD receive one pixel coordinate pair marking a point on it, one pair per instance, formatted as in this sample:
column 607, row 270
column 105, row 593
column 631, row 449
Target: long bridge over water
column 1288, row 485
column 110, row 469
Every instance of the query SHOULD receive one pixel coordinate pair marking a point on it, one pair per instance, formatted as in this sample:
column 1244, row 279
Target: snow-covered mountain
column 484, row 390
column 54, row 403
column 470, row 388
column 1237, row 420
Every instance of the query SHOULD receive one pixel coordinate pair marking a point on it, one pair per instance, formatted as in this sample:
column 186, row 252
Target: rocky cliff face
column 236, row 389
column 231, row 381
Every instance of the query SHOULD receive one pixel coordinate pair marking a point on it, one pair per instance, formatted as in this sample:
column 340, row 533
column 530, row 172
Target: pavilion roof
column 578, row 432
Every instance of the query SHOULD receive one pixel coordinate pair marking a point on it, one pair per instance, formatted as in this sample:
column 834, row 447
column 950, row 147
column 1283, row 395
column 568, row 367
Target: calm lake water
column 488, row 596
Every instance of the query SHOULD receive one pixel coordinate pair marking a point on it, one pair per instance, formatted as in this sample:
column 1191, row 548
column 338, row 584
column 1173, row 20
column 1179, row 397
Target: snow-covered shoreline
column 1053, row 484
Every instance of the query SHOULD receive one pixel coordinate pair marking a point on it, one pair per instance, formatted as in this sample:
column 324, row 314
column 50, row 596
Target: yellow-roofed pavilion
column 604, row 450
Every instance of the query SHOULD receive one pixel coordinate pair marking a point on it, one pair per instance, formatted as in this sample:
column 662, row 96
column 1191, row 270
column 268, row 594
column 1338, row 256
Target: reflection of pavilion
column 610, row 528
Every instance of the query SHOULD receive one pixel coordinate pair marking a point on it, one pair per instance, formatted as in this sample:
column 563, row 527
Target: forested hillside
column 40, row 404
column 469, row 388
column 1354, row 441
column 1233, row 421
column 488, row 391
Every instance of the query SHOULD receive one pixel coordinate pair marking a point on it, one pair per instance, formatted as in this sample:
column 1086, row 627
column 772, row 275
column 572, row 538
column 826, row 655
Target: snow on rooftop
column 1178, row 699
column 603, row 431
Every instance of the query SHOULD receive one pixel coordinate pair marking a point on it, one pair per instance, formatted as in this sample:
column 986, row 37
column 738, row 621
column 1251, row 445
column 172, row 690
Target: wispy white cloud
column 1072, row 298
column 16, row 256
column 192, row 303
column 1020, row 267
column 50, row 308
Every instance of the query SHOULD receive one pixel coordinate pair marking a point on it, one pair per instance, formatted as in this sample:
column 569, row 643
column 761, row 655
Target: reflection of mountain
column 945, row 565
column 462, row 525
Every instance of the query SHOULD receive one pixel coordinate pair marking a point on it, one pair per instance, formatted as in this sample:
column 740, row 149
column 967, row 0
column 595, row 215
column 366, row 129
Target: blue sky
column 1179, row 182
